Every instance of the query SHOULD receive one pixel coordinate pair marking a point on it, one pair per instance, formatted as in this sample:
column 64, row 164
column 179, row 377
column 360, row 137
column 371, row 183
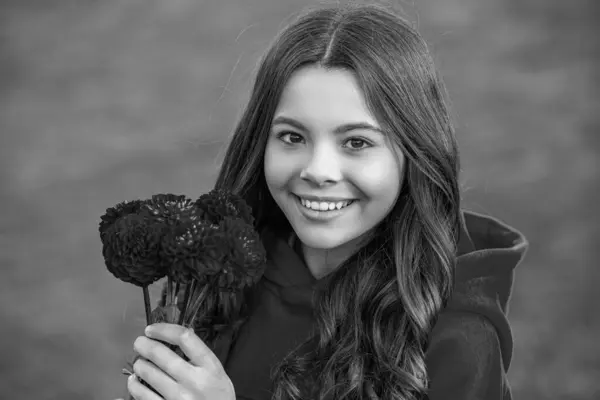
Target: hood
column 488, row 253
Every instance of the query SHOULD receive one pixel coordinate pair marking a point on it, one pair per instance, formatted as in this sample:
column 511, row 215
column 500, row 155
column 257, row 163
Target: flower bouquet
column 208, row 249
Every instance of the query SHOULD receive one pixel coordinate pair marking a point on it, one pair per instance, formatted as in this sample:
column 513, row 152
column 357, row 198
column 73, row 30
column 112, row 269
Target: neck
column 322, row 262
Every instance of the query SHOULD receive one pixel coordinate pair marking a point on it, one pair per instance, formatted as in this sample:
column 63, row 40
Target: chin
column 325, row 240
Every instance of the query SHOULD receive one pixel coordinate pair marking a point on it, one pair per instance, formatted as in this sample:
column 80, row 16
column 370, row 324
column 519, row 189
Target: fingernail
column 149, row 330
column 132, row 377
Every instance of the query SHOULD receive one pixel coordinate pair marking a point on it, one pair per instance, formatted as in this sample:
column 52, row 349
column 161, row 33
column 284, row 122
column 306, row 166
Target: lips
column 323, row 206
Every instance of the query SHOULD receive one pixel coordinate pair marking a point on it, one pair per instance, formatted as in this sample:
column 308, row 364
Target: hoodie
column 470, row 346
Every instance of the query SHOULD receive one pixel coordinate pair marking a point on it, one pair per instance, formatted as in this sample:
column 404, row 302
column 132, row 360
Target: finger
column 161, row 382
column 164, row 358
column 193, row 347
column 139, row 391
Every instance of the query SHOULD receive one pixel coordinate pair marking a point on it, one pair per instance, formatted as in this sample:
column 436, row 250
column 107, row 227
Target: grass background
column 102, row 101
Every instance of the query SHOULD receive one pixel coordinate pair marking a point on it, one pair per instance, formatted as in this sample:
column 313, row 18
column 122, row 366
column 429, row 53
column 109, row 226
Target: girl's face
column 325, row 147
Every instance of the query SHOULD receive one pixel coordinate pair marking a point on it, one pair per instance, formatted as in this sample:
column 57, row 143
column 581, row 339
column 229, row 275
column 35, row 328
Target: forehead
column 328, row 96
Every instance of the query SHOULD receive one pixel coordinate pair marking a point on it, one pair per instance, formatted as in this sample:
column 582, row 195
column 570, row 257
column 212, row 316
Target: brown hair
column 398, row 283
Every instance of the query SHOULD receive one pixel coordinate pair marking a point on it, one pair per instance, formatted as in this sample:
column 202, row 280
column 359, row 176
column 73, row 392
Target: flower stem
column 170, row 295
column 200, row 299
column 186, row 299
column 176, row 299
column 188, row 303
column 147, row 304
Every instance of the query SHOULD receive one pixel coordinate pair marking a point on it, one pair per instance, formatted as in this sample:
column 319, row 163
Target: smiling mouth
column 324, row 206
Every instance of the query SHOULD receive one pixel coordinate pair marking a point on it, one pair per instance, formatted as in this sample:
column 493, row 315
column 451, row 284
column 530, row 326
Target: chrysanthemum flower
column 131, row 249
column 200, row 250
column 172, row 209
column 118, row 211
column 219, row 204
column 209, row 246
column 245, row 256
column 190, row 250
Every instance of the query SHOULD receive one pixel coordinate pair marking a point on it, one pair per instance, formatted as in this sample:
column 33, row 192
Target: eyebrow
column 339, row 130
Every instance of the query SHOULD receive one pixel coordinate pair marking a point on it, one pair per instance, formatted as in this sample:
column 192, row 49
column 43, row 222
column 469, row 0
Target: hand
column 203, row 377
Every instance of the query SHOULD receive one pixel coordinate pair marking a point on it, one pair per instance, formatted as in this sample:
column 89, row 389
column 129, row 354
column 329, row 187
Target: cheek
column 379, row 179
column 269, row 165
column 277, row 166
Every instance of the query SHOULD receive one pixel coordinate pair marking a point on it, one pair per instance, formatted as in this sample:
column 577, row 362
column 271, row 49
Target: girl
column 378, row 285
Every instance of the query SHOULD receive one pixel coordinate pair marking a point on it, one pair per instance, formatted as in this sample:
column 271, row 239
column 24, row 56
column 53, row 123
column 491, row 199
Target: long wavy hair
column 397, row 283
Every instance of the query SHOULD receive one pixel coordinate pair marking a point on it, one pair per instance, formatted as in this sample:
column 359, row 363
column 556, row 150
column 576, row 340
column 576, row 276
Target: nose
column 322, row 167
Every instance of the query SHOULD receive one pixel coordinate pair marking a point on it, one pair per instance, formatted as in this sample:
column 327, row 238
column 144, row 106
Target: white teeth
column 324, row 206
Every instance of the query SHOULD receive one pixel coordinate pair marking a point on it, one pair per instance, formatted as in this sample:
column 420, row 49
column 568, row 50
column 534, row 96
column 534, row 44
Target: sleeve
column 464, row 359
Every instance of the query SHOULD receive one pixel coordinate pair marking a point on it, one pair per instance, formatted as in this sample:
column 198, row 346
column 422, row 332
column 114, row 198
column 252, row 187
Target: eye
column 355, row 144
column 293, row 138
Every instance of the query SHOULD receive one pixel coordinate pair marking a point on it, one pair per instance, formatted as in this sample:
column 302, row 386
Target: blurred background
column 104, row 101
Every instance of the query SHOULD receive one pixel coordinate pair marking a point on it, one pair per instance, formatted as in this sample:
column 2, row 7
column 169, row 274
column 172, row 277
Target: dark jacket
column 470, row 346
